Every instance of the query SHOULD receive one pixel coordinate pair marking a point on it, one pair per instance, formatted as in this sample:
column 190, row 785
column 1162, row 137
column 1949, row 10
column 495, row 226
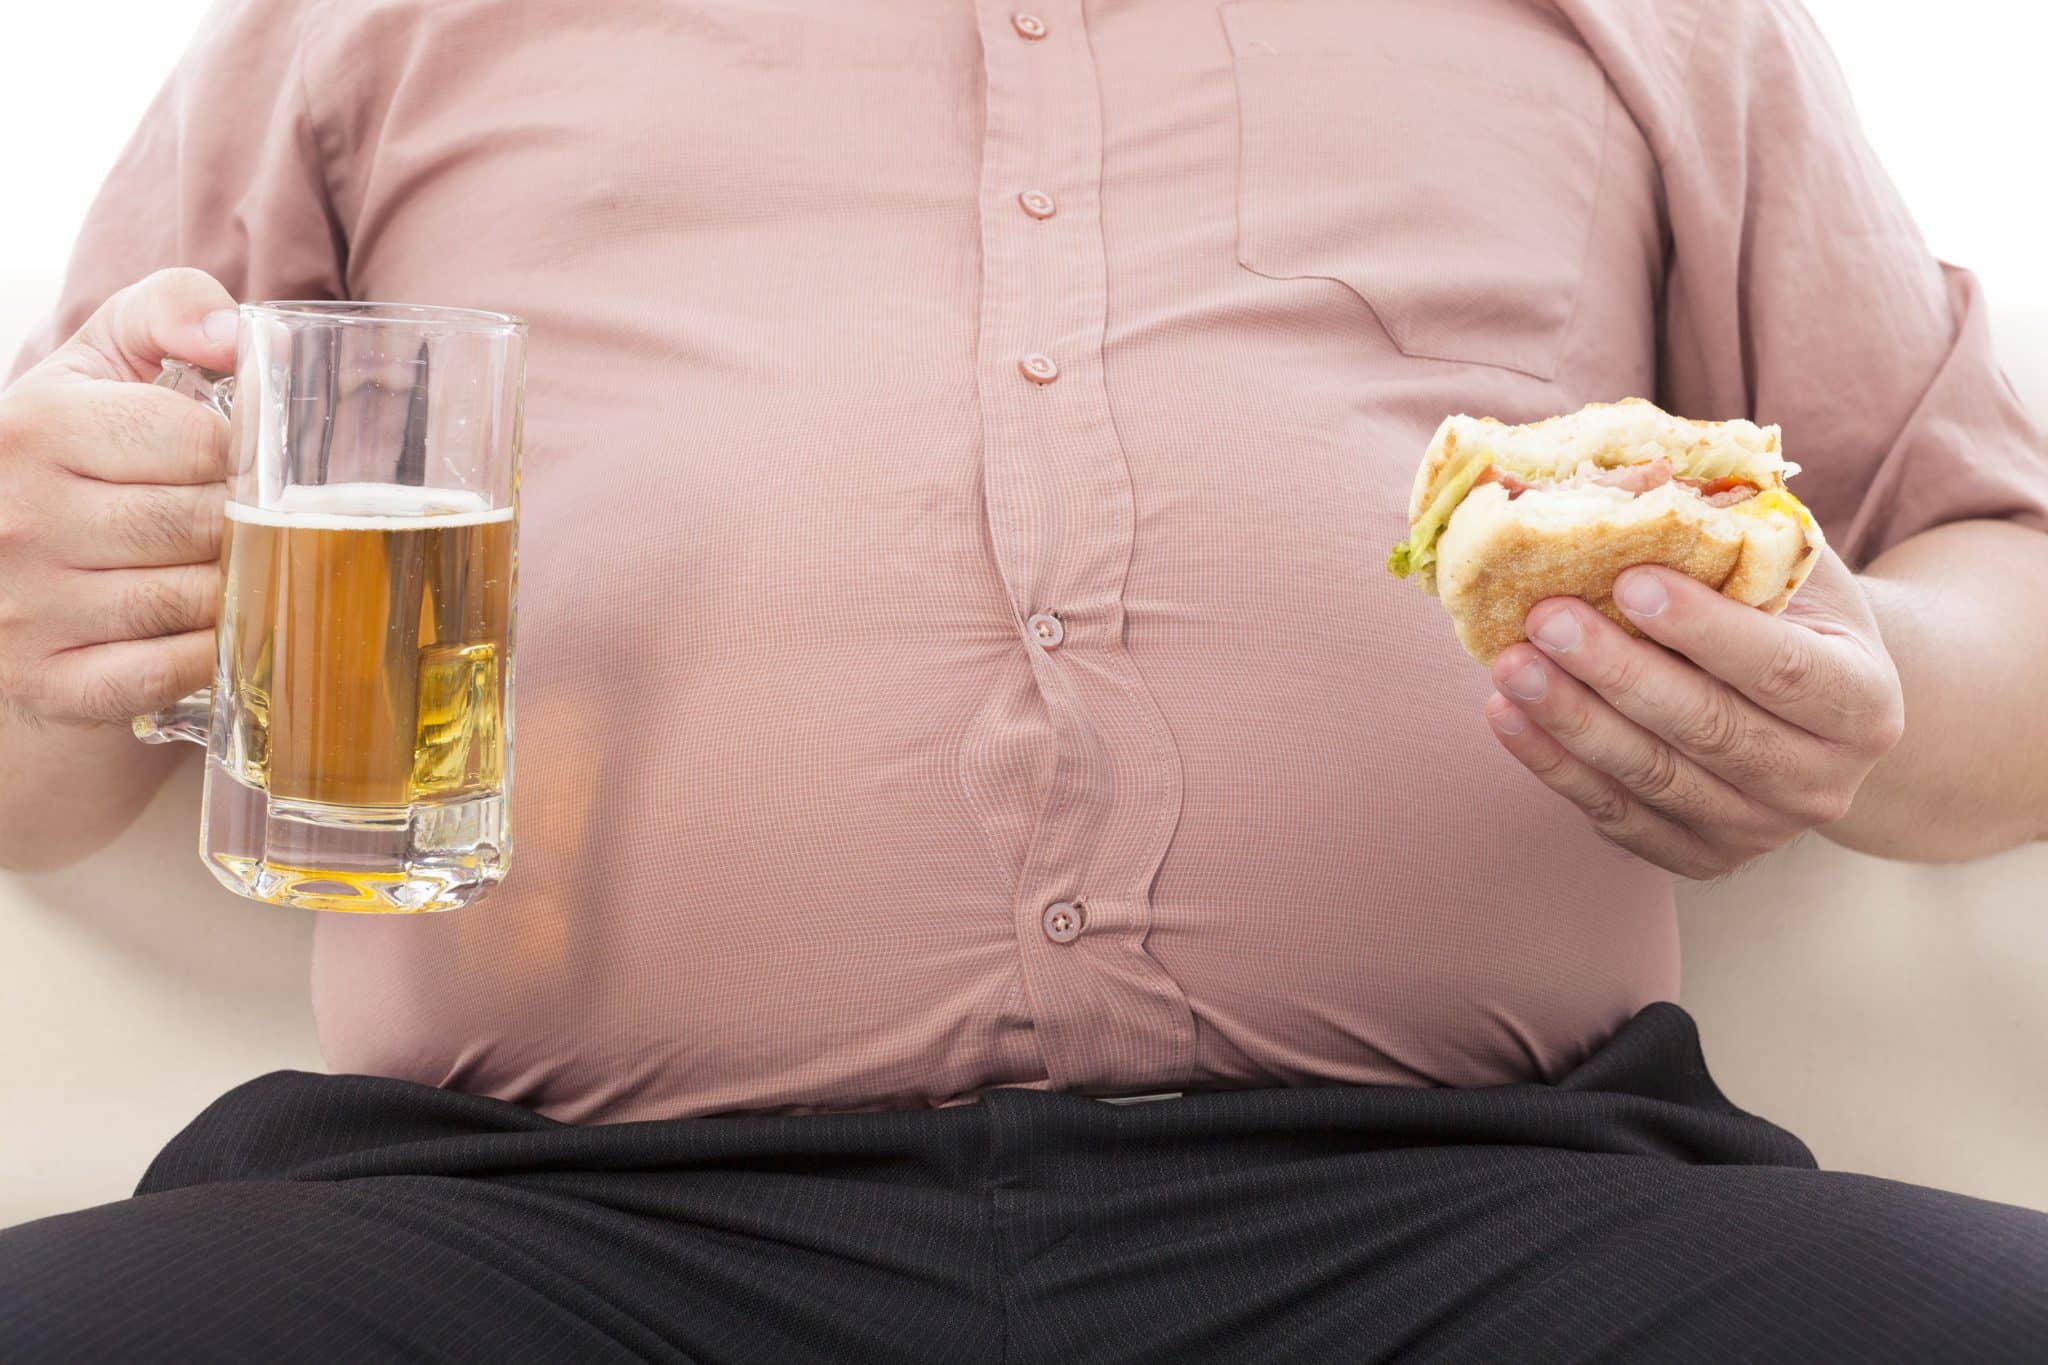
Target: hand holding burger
column 1630, row 577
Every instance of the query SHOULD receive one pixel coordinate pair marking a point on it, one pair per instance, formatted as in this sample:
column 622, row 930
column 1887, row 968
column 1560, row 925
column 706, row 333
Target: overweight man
column 960, row 686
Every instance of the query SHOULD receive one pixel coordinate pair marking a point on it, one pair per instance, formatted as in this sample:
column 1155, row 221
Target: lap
column 1722, row 1263
column 1459, row 1254
column 280, row 1270
column 1453, row 1253
column 443, row 1268
column 1556, row 1255
column 1623, row 1214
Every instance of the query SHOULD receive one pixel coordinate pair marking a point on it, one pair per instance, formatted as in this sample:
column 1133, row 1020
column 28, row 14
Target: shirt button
column 1028, row 26
column 1046, row 630
column 1063, row 921
column 1039, row 369
column 1038, row 203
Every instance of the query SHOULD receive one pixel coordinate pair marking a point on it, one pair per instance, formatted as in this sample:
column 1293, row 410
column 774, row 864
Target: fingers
column 1720, row 737
column 122, row 433
column 77, row 610
column 1653, row 772
column 177, row 314
column 111, row 498
column 140, row 604
column 129, row 526
column 1776, row 764
column 113, row 683
column 1616, row 815
column 1830, row 684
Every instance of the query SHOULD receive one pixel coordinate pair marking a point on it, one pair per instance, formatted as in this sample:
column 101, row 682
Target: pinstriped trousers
column 1627, row 1212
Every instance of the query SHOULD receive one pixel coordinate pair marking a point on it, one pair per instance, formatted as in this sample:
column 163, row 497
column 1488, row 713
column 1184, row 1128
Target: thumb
column 176, row 314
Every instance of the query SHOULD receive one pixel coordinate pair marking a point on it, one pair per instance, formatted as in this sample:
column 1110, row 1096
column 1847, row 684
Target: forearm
column 1964, row 612
column 67, row 790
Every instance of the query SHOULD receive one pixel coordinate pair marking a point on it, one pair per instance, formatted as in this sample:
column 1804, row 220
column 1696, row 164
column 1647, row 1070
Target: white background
column 1897, row 1018
column 74, row 81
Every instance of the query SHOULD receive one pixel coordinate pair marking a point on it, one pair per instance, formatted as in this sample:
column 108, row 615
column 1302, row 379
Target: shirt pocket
column 1439, row 159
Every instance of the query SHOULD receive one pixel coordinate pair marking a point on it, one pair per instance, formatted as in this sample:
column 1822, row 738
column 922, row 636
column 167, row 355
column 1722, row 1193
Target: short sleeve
column 224, row 174
column 1801, row 292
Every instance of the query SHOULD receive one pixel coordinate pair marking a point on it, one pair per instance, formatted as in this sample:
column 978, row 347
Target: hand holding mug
column 111, row 496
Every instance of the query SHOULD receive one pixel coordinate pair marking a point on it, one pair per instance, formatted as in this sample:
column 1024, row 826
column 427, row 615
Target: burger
column 1502, row 516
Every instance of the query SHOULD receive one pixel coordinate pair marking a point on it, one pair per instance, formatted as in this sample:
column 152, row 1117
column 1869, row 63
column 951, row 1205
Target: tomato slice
column 1725, row 484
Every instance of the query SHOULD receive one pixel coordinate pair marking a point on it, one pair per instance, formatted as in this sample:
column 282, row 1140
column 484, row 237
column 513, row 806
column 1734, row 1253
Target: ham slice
column 1495, row 474
column 1635, row 479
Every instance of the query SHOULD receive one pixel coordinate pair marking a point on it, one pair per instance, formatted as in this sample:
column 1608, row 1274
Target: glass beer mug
column 358, row 731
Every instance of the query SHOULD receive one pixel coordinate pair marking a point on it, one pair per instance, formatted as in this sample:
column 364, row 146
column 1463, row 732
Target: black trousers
column 1629, row 1212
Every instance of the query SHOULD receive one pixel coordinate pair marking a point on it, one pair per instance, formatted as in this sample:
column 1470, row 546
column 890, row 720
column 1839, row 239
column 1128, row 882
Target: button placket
column 1056, row 486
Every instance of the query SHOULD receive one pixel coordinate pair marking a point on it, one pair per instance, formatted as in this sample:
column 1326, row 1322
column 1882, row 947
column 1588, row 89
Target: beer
column 364, row 648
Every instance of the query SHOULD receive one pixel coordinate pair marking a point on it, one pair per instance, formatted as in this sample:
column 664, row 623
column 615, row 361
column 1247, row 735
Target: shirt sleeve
column 224, row 174
column 1801, row 292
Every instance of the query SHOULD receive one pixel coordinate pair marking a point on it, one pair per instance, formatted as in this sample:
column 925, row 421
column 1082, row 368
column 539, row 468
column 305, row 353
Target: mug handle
column 188, row 717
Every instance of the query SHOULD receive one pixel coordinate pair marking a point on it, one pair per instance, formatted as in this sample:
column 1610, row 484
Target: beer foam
column 370, row 507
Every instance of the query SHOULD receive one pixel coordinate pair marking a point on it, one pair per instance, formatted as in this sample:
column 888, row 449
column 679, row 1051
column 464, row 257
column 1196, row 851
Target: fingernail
column 1640, row 594
column 219, row 326
column 1528, row 682
column 1559, row 632
column 1506, row 718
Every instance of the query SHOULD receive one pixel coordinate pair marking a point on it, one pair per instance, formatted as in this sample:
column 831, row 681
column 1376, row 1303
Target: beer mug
column 358, row 731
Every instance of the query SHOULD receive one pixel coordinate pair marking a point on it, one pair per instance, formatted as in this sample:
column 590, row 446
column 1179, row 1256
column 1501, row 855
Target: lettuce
column 1731, row 462
column 1417, row 554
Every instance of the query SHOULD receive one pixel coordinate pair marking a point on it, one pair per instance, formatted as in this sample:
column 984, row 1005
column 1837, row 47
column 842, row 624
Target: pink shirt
column 956, row 648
